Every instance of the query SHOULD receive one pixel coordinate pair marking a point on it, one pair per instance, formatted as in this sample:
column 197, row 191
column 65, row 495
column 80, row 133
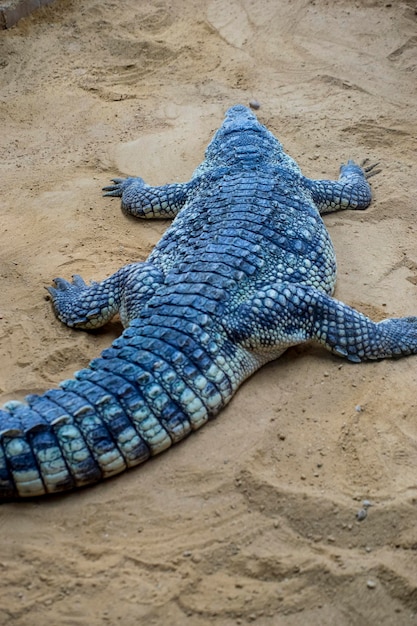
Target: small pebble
column 358, row 408
column 254, row 104
column 366, row 504
column 371, row 584
column 361, row 515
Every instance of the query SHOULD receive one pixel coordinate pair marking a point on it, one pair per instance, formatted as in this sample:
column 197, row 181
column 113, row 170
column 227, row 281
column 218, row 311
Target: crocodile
column 246, row 270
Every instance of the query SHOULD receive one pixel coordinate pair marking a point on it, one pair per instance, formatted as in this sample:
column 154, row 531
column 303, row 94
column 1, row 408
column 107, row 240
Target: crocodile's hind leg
column 90, row 306
column 142, row 200
column 351, row 191
column 286, row 314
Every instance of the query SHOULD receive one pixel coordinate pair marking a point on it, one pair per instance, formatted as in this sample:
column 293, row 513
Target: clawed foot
column 65, row 296
column 64, row 285
column 115, row 190
column 369, row 169
column 364, row 169
column 120, row 185
column 79, row 305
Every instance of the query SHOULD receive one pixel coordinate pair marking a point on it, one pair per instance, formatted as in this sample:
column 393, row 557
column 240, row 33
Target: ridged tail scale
column 164, row 377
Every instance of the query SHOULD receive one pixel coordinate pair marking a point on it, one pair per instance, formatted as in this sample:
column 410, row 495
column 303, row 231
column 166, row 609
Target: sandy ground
column 252, row 519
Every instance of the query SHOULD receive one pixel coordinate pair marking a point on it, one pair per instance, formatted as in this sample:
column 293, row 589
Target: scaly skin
column 246, row 270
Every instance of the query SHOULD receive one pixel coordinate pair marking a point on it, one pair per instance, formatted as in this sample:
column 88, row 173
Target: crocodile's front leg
column 351, row 191
column 142, row 200
column 90, row 306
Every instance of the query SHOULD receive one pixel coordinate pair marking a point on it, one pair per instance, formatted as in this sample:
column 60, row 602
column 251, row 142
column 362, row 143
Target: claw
column 120, row 184
column 112, row 190
column 77, row 281
column 61, row 284
column 372, row 174
column 52, row 292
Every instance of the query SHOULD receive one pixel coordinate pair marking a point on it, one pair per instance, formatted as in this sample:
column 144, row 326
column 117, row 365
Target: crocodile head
column 240, row 119
column 241, row 137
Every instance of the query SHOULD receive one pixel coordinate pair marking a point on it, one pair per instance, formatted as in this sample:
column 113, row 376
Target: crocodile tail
column 156, row 383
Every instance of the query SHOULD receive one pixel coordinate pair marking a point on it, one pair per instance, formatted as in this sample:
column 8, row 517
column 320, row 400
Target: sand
column 253, row 518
